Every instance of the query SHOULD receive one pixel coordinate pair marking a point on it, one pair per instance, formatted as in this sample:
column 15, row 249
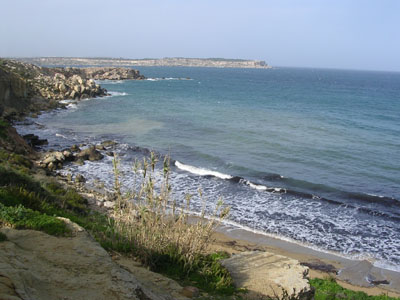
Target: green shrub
column 14, row 196
column 20, row 217
column 75, row 201
column 207, row 273
column 68, row 198
column 329, row 289
column 10, row 176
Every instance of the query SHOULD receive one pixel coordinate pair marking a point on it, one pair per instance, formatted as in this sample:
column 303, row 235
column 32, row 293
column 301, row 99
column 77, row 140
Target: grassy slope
column 27, row 203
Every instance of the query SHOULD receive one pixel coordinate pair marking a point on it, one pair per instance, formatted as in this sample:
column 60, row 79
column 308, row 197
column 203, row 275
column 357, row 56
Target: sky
column 345, row 34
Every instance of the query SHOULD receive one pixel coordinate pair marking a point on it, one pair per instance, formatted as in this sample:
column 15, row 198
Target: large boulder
column 89, row 154
column 37, row 266
column 269, row 275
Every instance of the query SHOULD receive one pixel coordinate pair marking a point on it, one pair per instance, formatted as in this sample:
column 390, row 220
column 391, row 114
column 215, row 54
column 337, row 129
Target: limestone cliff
column 164, row 62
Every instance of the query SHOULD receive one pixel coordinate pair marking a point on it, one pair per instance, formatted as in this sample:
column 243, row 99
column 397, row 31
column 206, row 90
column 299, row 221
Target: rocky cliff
column 27, row 88
column 166, row 62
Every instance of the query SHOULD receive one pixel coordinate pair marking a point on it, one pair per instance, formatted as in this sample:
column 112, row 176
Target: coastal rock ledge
column 266, row 274
column 34, row 265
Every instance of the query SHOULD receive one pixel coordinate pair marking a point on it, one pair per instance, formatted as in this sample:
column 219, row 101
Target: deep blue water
column 328, row 139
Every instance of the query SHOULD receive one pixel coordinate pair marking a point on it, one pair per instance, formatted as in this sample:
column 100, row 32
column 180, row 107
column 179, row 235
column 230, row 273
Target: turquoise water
column 304, row 154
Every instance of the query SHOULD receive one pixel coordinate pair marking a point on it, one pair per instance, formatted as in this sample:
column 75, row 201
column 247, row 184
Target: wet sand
column 352, row 274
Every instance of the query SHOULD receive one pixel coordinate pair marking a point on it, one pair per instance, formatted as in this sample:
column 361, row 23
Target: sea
column 311, row 156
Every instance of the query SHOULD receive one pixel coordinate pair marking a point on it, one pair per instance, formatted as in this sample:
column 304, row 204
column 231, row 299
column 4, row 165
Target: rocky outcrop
column 21, row 82
column 35, row 265
column 112, row 73
column 55, row 159
column 269, row 275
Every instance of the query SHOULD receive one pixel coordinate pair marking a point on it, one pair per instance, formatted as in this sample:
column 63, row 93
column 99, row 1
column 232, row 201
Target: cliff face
column 167, row 62
column 14, row 93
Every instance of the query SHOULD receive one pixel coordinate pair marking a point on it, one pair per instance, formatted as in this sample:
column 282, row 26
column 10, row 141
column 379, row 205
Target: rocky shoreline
column 26, row 88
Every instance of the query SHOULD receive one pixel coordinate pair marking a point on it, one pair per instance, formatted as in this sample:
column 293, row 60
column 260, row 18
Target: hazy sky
column 351, row 34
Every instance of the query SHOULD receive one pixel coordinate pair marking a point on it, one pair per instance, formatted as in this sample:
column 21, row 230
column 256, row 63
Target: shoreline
column 234, row 240
column 321, row 264
column 229, row 236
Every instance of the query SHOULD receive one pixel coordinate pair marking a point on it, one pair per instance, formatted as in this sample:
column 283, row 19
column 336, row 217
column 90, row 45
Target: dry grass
column 154, row 224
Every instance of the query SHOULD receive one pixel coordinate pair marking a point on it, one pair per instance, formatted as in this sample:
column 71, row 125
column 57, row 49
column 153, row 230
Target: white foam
column 60, row 135
column 66, row 101
column 72, row 106
column 201, row 171
column 114, row 94
column 256, row 186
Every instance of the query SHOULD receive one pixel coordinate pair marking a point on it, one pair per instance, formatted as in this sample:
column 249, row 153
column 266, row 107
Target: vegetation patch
column 329, row 289
column 156, row 229
column 207, row 273
column 20, row 217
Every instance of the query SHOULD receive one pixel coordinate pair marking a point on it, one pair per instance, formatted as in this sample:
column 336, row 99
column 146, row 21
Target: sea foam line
column 201, row 171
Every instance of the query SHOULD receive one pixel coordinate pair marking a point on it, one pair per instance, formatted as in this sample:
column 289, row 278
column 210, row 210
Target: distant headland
column 167, row 62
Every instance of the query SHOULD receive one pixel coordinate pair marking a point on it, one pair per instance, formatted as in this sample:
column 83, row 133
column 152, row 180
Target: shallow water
column 309, row 155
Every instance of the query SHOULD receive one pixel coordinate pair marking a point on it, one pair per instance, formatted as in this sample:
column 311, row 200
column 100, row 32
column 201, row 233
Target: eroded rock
column 90, row 154
column 35, row 265
column 270, row 275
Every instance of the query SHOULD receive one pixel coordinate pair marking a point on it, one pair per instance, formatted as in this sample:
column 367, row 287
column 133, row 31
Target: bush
column 20, row 217
column 327, row 289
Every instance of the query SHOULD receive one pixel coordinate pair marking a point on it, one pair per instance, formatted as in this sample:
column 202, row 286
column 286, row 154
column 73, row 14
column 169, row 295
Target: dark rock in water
column 110, row 153
column 90, row 154
column 79, row 178
column 34, row 141
column 236, row 179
